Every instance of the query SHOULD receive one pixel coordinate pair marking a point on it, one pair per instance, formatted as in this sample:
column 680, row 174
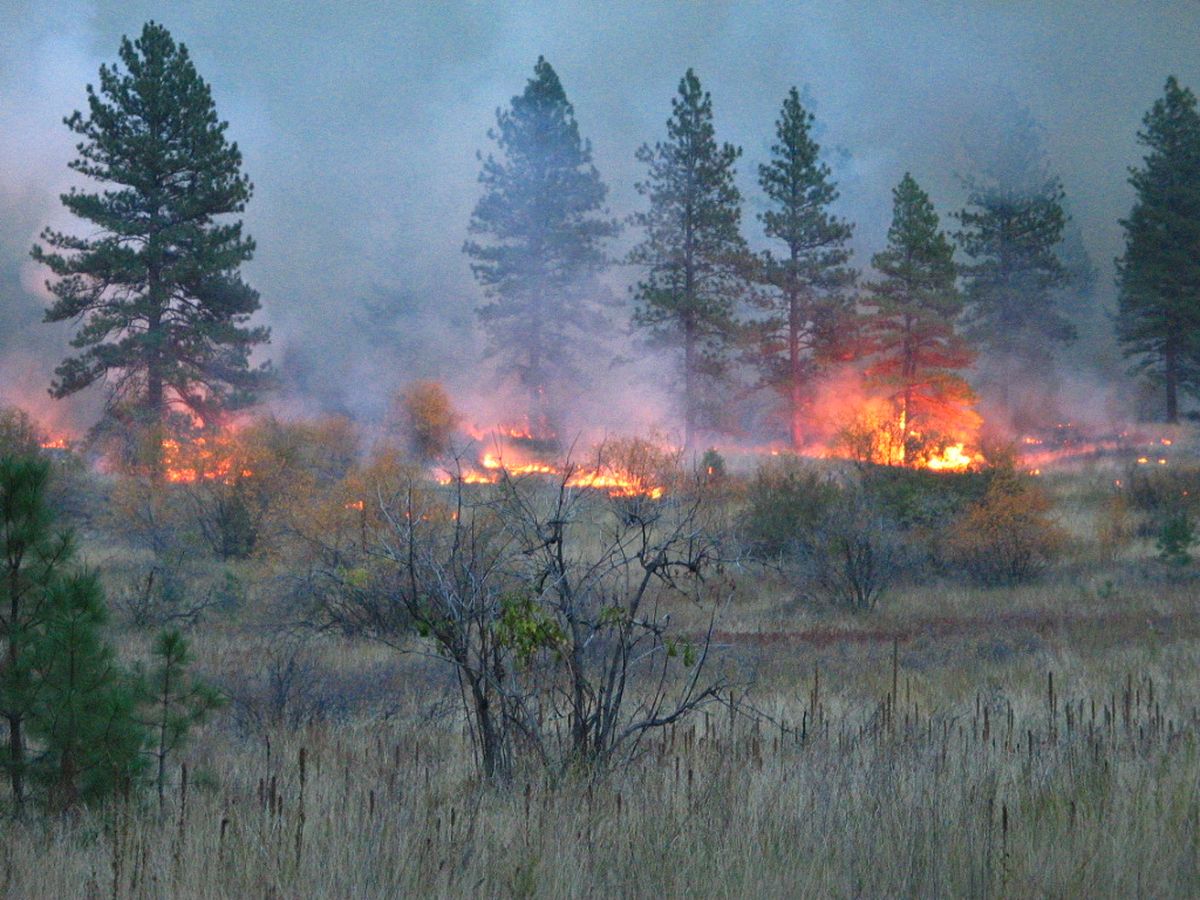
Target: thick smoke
column 360, row 124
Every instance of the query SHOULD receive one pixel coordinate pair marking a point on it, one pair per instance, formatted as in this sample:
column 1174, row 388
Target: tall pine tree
column 1158, row 319
column 155, row 280
column 909, row 322
column 1011, row 232
column 693, row 251
column 542, row 225
column 805, row 283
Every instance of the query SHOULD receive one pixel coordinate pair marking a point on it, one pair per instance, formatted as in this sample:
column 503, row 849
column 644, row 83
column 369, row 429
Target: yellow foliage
column 1010, row 535
column 425, row 413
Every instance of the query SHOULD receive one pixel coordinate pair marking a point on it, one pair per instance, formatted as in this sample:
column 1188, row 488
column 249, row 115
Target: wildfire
column 202, row 459
column 58, row 443
column 615, row 482
column 516, row 453
column 953, row 458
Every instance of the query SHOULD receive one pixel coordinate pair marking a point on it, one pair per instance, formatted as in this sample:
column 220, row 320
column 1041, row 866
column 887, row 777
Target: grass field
column 1028, row 740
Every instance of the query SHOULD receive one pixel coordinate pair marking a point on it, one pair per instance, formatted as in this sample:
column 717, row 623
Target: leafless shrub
column 552, row 604
column 852, row 556
column 166, row 591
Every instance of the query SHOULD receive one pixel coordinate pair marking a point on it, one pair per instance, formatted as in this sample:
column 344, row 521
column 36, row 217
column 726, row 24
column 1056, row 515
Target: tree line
column 163, row 313
column 799, row 307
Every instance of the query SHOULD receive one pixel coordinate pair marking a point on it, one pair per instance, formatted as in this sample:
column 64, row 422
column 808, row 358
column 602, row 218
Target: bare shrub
column 551, row 603
column 852, row 556
column 285, row 689
column 170, row 590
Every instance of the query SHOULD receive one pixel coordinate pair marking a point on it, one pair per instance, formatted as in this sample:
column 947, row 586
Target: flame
column 58, row 443
column 952, row 458
column 204, row 458
column 515, row 460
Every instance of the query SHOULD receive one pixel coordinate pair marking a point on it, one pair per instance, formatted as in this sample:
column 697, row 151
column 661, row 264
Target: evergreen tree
column 1158, row 318
column 173, row 701
column 33, row 556
column 693, row 252
column 155, row 283
column 84, row 713
column 909, row 321
column 542, row 224
column 805, row 299
column 1012, row 233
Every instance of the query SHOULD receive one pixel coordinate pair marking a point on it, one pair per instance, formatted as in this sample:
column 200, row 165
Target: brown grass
column 1033, row 741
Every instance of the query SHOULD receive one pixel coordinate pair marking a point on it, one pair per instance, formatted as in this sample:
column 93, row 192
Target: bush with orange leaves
column 1009, row 536
column 424, row 414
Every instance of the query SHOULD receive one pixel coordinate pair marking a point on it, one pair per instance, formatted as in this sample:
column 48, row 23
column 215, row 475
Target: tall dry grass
column 902, row 781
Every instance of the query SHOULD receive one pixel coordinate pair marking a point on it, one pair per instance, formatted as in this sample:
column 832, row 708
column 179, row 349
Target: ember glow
column 214, row 457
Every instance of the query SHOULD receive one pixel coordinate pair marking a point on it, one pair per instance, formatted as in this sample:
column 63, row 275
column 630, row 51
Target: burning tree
column 909, row 327
column 541, row 218
column 162, row 306
column 693, row 249
column 804, row 298
column 1159, row 317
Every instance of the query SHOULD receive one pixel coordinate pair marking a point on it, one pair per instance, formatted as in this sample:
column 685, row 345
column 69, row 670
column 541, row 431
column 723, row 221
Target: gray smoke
column 360, row 123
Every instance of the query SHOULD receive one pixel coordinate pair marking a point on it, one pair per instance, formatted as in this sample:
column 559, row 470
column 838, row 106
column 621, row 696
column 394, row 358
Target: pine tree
column 155, row 283
column 90, row 742
column 543, row 226
column 1012, row 230
column 805, row 298
column 909, row 323
column 173, row 701
column 1158, row 318
column 693, row 252
column 33, row 557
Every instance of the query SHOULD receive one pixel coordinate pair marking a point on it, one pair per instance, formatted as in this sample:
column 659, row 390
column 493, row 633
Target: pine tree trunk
column 155, row 396
column 689, row 386
column 1172, row 382
column 796, row 387
column 16, row 735
column 16, row 763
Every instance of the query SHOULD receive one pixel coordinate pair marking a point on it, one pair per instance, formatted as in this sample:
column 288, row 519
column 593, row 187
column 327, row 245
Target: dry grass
column 1031, row 741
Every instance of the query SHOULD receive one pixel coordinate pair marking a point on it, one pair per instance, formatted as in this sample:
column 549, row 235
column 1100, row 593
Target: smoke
column 360, row 123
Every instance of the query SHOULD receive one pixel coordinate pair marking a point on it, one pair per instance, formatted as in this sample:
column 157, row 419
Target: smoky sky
column 360, row 123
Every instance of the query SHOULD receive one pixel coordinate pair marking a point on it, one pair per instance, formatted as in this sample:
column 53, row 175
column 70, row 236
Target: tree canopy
column 541, row 227
column 911, row 310
column 153, row 281
column 692, row 252
column 1158, row 319
column 804, row 297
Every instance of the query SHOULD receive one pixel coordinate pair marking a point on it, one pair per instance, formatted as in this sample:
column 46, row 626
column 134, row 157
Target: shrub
column 786, row 502
column 1159, row 491
column 1009, row 536
column 712, row 464
column 1114, row 527
column 919, row 498
column 19, row 436
column 1176, row 539
column 425, row 415
column 852, row 556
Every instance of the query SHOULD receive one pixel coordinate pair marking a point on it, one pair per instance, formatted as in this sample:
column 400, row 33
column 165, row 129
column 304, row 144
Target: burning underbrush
column 620, row 467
